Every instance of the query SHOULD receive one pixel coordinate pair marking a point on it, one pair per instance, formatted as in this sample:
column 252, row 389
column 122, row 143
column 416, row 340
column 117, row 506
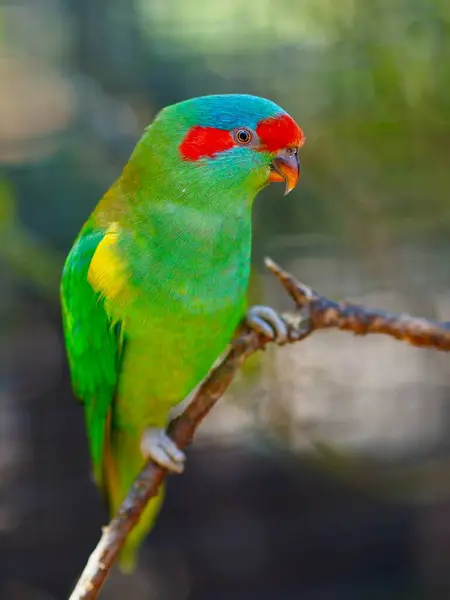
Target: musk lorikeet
column 155, row 283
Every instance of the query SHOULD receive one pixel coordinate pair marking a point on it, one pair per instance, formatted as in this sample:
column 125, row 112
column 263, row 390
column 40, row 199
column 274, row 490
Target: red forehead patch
column 279, row 132
column 205, row 142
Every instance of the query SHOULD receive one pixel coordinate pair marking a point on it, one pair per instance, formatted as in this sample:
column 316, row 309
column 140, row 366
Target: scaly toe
column 157, row 445
column 266, row 321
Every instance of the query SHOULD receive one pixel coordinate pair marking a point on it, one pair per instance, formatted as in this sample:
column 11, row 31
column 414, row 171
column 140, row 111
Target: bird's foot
column 157, row 445
column 266, row 320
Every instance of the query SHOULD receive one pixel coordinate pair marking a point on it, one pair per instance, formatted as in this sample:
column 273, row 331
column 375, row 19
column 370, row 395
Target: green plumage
column 92, row 342
column 155, row 284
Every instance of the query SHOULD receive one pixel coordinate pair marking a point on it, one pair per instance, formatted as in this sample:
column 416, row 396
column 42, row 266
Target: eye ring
column 243, row 136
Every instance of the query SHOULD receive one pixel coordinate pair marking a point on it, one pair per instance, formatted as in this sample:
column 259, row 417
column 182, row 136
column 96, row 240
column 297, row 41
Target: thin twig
column 314, row 312
column 322, row 313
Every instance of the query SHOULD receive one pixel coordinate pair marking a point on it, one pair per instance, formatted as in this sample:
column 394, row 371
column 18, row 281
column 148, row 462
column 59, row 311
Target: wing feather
column 91, row 278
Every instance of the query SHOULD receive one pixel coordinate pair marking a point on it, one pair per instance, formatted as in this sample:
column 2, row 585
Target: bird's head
column 237, row 141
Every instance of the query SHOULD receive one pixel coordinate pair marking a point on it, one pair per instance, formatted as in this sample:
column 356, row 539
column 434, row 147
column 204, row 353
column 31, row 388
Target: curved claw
column 157, row 445
column 265, row 320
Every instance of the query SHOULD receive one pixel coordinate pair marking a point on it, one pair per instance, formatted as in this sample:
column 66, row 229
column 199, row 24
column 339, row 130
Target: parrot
column 154, row 287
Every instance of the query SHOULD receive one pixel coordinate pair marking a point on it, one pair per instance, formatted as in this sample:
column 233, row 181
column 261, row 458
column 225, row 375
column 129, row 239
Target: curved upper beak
column 286, row 167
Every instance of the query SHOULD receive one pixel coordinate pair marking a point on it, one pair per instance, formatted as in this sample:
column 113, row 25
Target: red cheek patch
column 205, row 142
column 279, row 132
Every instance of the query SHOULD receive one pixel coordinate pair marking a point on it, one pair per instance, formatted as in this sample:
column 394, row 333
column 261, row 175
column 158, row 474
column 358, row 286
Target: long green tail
column 122, row 463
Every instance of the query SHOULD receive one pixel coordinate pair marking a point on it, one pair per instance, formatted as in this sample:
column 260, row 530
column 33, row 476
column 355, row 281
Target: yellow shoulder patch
column 108, row 271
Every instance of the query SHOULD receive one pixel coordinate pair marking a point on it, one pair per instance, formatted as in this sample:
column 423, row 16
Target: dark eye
column 243, row 136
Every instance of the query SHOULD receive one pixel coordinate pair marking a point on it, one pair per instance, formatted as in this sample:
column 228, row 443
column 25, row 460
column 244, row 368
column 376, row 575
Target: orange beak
column 286, row 167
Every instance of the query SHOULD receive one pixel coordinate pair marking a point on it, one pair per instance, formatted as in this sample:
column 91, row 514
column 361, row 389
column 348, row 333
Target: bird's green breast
column 189, row 274
column 185, row 260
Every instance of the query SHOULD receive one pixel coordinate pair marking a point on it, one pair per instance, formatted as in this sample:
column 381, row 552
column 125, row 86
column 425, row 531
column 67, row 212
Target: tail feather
column 122, row 462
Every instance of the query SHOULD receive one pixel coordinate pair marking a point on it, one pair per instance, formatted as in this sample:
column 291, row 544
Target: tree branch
column 319, row 312
column 314, row 312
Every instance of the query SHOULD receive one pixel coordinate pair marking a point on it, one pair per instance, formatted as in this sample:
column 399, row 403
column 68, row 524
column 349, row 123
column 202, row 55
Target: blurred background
column 325, row 472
